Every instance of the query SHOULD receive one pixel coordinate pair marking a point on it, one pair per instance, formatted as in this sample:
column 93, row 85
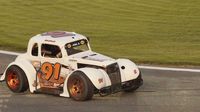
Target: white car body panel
column 28, row 70
column 89, row 57
column 93, row 75
column 128, row 74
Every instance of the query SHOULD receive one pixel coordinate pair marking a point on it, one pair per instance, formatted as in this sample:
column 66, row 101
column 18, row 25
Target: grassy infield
column 146, row 31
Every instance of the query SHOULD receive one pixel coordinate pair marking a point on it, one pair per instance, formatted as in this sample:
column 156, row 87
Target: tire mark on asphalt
column 4, row 97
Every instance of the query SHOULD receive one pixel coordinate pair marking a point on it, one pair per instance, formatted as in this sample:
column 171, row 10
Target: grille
column 113, row 72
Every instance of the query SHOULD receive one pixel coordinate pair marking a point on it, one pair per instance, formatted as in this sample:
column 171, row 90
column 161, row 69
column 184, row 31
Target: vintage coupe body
column 63, row 63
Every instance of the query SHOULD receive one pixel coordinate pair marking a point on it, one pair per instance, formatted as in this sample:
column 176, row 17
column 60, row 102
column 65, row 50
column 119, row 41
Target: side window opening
column 51, row 51
column 34, row 51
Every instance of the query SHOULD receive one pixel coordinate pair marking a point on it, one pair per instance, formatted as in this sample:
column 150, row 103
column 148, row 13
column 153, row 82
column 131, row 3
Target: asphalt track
column 163, row 91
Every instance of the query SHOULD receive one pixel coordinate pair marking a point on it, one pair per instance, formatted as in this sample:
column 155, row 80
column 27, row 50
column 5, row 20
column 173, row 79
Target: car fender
column 128, row 69
column 98, row 77
column 28, row 69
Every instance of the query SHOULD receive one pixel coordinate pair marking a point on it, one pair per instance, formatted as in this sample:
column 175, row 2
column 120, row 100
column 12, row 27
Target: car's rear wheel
column 80, row 87
column 16, row 79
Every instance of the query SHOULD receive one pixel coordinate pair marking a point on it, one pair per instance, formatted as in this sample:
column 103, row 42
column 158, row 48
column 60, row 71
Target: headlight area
column 114, row 74
column 130, row 81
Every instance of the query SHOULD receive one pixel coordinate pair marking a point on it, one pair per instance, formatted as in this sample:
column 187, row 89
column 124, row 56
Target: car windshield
column 76, row 47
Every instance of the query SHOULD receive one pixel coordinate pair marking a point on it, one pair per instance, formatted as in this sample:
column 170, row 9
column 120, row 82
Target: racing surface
column 162, row 91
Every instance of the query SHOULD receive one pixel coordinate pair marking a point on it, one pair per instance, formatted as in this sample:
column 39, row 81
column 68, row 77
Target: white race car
column 63, row 63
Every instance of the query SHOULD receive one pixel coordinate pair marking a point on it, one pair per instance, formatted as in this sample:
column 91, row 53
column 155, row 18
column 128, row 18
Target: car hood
column 93, row 56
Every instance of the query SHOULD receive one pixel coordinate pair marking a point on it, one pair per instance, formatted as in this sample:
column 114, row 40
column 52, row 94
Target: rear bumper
column 128, row 85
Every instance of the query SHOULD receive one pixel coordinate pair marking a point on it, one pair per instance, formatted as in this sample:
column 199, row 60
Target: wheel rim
column 13, row 80
column 76, row 87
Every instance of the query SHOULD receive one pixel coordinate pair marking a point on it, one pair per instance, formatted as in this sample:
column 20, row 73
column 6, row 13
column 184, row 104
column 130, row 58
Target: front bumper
column 133, row 84
column 124, row 86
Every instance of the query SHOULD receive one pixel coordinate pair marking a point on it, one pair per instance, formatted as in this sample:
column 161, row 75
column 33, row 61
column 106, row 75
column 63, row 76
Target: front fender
column 28, row 69
column 128, row 69
column 98, row 77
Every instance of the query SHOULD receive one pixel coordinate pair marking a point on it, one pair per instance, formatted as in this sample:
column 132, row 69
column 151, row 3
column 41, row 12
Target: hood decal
column 93, row 56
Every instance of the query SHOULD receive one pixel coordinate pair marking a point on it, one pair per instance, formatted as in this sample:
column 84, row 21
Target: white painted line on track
column 142, row 67
column 9, row 52
column 170, row 69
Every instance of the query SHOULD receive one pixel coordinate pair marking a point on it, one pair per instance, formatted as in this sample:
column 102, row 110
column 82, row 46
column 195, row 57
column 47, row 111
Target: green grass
column 146, row 31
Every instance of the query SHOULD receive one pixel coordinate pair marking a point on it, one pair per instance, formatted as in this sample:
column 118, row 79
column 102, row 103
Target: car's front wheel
column 80, row 87
column 16, row 79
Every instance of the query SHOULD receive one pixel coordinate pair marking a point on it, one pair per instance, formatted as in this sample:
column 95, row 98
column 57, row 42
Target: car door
column 53, row 71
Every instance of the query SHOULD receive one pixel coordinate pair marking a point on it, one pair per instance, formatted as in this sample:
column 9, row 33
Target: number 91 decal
column 49, row 70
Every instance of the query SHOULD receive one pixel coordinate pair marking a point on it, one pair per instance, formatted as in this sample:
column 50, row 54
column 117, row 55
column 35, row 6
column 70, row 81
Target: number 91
column 50, row 70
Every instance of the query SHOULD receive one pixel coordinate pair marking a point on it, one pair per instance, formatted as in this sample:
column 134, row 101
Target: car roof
column 59, row 38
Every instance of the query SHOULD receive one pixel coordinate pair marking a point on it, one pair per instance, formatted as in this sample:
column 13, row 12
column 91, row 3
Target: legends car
column 63, row 63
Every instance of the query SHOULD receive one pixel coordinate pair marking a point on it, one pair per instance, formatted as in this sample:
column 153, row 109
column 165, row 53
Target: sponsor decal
column 100, row 80
column 49, row 75
column 69, row 46
column 82, row 42
column 50, row 40
column 135, row 71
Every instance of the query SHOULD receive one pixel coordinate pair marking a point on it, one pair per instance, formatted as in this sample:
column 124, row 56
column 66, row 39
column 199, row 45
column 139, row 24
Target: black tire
column 16, row 79
column 80, row 87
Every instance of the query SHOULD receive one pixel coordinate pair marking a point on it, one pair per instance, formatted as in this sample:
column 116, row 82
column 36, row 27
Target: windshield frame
column 71, row 48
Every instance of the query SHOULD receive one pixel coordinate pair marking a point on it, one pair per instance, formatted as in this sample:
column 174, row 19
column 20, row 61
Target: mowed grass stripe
column 161, row 21
column 156, row 31
column 128, row 6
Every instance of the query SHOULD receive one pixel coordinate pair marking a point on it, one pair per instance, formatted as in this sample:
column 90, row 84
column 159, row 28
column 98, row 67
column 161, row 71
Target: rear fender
column 28, row 69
